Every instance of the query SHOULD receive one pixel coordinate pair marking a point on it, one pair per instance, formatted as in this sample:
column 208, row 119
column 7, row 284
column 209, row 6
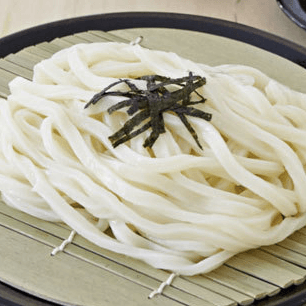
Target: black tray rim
column 114, row 21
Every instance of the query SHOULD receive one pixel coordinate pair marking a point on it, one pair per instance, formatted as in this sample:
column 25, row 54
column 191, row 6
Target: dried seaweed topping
column 146, row 107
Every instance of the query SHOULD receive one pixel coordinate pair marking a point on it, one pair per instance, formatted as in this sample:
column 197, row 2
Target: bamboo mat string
column 136, row 41
column 162, row 286
column 64, row 243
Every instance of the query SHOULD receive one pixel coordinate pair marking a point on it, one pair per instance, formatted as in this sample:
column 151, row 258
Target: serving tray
column 85, row 274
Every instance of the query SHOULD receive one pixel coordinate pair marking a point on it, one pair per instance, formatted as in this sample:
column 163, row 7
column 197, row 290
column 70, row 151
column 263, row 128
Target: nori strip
column 150, row 104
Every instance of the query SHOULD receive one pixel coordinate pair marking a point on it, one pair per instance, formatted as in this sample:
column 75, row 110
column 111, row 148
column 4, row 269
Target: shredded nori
column 149, row 105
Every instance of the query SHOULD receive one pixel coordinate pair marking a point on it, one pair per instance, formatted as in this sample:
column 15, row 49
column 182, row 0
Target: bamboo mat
column 85, row 274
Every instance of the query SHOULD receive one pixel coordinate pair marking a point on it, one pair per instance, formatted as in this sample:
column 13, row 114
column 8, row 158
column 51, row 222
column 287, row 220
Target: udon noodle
column 174, row 206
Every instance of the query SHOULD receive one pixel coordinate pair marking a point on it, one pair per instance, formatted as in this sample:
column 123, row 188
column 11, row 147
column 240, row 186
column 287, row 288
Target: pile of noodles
column 174, row 206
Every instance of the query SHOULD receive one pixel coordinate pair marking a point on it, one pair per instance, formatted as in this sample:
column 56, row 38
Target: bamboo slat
column 93, row 276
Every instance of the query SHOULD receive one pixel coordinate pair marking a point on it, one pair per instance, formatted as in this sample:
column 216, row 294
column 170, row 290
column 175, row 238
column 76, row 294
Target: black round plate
column 107, row 22
column 295, row 10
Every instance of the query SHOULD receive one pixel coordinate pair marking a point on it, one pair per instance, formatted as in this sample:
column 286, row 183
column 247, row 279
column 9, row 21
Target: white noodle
column 176, row 207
